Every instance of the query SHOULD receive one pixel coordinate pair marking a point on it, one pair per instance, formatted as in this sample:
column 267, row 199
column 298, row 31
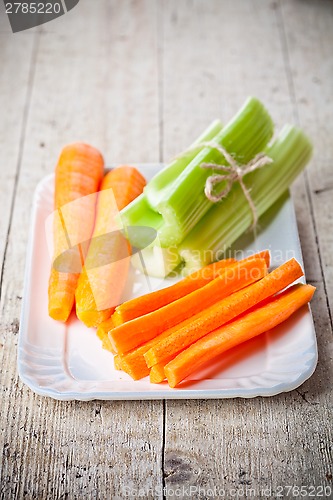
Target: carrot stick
column 264, row 254
column 129, row 335
column 106, row 344
column 102, row 333
column 117, row 362
column 152, row 301
column 244, row 328
column 157, row 373
column 104, row 328
column 106, row 267
column 155, row 300
column 78, row 174
column 133, row 362
column 191, row 330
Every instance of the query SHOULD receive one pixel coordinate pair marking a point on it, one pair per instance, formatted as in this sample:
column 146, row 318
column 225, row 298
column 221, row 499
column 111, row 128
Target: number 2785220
column 33, row 8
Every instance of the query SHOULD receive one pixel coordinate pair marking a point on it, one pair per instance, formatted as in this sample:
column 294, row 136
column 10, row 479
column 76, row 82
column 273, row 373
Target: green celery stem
column 181, row 203
column 229, row 219
column 244, row 136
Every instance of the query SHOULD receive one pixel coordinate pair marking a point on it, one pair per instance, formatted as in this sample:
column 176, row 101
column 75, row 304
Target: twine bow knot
column 233, row 172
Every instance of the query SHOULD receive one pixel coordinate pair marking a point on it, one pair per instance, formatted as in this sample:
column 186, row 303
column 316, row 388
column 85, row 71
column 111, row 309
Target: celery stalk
column 183, row 203
column 139, row 212
column 230, row 218
column 156, row 261
column 162, row 182
column 244, row 136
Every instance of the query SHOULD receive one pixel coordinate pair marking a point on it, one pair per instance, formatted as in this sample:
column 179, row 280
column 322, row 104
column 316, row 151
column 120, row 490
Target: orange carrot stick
column 152, row 301
column 102, row 334
column 129, row 335
column 155, row 300
column 104, row 328
column 78, row 174
column 133, row 362
column 157, row 373
column 244, row 328
column 264, row 254
column 186, row 333
column 107, row 345
column 106, row 267
column 117, row 362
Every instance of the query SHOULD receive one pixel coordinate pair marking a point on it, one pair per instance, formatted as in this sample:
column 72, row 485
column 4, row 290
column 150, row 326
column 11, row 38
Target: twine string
column 232, row 172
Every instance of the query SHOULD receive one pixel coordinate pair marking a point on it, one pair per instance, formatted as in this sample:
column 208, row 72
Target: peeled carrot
column 103, row 335
column 104, row 328
column 129, row 335
column 106, row 266
column 155, row 300
column 127, row 183
column 244, row 328
column 117, row 362
column 78, row 174
column 107, row 345
column 157, row 373
column 186, row 333
column 134, row 363
column 152, row 301
column 263, row 254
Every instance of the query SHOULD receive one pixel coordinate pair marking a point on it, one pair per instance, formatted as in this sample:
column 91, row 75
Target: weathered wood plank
column 244, row 443
column 95, row 80
column 16, row 56
column 308, row 30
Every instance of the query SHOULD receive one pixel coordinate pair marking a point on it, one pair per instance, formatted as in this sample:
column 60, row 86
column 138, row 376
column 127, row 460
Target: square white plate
column 67, row 362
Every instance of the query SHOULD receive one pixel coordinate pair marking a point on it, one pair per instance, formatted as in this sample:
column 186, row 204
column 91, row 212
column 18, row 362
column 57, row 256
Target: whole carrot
column 78, row 174
column 244, row 328
column 106, row 266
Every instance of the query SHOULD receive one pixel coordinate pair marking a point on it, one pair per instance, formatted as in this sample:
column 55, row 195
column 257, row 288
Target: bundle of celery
column 173, row 206
column 191, row 229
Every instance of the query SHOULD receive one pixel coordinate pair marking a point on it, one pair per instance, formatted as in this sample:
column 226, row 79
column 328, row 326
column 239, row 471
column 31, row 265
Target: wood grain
column 140, row 79
column 88, row 86
column 308, row 30
column 256, row 443
column 17, row 56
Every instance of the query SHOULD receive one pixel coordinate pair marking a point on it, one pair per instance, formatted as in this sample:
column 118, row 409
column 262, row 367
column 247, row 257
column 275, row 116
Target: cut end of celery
column 193, row 260
column 156, row 261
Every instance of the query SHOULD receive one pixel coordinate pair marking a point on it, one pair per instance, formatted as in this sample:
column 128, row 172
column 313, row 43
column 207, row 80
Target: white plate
column 67, row 362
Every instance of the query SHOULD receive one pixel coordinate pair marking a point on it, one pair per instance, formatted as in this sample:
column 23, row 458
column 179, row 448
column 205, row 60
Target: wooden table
column 139, row 79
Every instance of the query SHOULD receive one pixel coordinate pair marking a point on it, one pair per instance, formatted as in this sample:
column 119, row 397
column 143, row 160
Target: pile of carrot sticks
column 171, row 333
